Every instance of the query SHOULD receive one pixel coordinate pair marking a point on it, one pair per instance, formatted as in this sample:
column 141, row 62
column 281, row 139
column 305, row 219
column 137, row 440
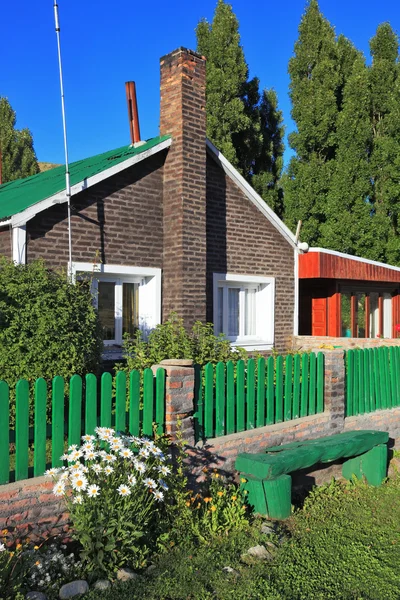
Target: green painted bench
column 269, row 485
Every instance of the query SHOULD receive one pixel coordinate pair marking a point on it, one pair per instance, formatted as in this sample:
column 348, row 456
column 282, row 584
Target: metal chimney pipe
column 133, row 115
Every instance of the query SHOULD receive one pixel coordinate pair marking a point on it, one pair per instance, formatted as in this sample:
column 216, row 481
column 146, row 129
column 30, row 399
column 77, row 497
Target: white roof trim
column 23, row 217
column 356, row 258
column 251, row 194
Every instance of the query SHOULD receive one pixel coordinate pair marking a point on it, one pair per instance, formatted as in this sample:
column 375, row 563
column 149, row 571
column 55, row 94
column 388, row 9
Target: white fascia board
column 26, row 215
column 356, row 258
column 251, row 194
column 5, row 223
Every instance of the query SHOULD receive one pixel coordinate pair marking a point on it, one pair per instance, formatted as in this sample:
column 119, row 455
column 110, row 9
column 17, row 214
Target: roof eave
column 251, row 194
column 26, row 215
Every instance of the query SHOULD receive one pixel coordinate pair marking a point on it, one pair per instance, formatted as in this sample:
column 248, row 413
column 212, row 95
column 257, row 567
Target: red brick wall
column 312, row 342
column 118, row 221
column 241, row 240
column 6, row 242
column 28, row 508
column 182, row 115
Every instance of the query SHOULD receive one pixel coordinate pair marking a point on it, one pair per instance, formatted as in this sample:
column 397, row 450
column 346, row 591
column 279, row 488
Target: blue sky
column 107, row 43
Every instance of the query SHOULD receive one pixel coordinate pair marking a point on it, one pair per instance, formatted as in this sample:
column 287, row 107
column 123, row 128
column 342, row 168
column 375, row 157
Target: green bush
column 48, row 325
column 171, row 340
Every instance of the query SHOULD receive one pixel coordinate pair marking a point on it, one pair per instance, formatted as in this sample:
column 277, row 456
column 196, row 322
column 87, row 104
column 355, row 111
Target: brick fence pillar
column 335, row 388
column 179, row 397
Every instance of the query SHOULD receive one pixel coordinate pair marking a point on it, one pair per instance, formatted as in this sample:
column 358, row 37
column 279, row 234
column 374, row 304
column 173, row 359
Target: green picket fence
column 231, row 398
column 372, row 379
column 91, row 403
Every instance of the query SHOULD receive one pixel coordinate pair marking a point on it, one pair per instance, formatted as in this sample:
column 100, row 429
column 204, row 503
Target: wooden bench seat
column 269, row 485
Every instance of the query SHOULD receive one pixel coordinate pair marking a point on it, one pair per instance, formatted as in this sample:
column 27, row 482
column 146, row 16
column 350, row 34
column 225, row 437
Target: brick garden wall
column 5, row 242
column 29, row 509
column 310, row 343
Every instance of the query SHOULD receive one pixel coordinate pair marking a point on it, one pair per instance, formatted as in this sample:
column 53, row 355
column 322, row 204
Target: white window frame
column 265, row 309
column 149, row 281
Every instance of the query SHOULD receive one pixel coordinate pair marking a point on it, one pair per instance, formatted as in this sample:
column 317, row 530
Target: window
column 127, row 298
column 366, row 314
column 244, row 309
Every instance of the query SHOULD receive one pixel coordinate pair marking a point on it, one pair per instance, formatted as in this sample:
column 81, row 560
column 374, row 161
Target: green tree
column 48, row 325
column 347, row 227
column 314, row 82
column 16, row 146
column 385, row 155
column 246, row 126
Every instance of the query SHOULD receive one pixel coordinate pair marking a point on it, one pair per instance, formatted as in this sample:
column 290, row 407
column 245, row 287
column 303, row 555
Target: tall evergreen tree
column 18, row 156
column 314, row 83
column 385, row 156
column 348, row 208
column 244, row 125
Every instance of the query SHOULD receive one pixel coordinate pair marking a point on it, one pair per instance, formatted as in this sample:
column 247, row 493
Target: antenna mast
column 67, row 179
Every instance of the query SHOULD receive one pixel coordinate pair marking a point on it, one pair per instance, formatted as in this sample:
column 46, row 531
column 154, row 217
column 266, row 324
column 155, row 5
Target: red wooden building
column 346, row 296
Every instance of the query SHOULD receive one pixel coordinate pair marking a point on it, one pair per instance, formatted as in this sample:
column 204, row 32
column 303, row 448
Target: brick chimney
column 183, row 116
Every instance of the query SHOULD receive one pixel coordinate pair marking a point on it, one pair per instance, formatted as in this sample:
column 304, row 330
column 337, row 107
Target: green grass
column 344, row 544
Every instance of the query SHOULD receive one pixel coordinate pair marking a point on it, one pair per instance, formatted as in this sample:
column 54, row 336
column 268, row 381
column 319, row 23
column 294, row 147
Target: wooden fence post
column 179, row 397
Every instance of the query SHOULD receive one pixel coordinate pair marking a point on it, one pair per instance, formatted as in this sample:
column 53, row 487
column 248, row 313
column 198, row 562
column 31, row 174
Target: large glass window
column 118, row 308
column 366, row 314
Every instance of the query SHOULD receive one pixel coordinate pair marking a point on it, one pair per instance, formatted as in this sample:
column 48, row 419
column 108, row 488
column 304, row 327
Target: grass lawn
column 343, row 544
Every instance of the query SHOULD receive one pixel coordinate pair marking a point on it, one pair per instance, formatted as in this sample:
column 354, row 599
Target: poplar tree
column 315, row 79
column 385, row 156
column 16, row 146
column 347, row 225
column 244, row 125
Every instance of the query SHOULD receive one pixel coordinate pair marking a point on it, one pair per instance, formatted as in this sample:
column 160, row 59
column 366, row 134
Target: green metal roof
column 18, row 195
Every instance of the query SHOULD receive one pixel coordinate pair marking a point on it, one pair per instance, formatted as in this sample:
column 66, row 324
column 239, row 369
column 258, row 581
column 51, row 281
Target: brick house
column 165, row 225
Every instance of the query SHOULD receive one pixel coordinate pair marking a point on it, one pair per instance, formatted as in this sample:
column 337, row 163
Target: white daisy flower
column 75, row 455
column 2, row 547
column 126, row 453
column 132, row 480
column 76, row 467
column 133, row 439
column 78, row 499
column 144, row 453
column 141, row 467
column 150, row 483
column 158, row 495
column 97, row 468
column 64, row 476
column 91, row 455
column 52, row 472
column 79, row 483
column 108, row 470
column 123, row 490
column 73, row 447
column 88, row 438
column 88, row 447
column 64, row 457
column 93, row 490
column 109, row 457
column 148, row 444
column 59, row 488
column 164, row 470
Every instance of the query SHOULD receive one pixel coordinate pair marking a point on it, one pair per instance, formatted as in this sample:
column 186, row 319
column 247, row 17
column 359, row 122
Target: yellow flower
column 5, row 531
column 220, row 494
column 198, row 505
column 207, row 500
column 213, row 508
column 216, row 475
column 234, row 498
column 36, row 547
column 243, row 480
column 188, row 503
column 18, row 546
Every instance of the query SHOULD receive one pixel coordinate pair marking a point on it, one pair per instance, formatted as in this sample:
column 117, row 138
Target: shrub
column 171, row 340
column 12, row 572
column 113, row 487
column 48, row 325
